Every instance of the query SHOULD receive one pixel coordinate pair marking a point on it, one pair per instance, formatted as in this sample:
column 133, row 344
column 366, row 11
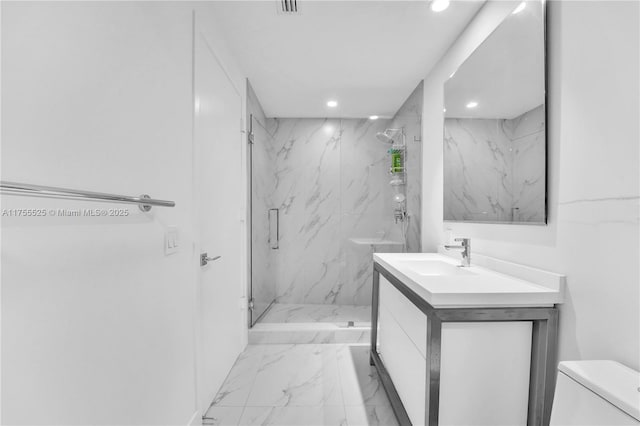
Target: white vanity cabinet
column 459, row 365
column 484, row 367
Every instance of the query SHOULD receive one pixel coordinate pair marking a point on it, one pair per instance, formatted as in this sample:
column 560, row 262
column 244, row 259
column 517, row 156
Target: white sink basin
column 434, row 267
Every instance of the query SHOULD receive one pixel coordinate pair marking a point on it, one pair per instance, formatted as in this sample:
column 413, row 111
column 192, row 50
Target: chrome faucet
column 465, row 249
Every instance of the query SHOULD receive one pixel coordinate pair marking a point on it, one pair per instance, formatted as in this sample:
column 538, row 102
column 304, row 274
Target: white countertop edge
column 543, row 278
column 480, row 299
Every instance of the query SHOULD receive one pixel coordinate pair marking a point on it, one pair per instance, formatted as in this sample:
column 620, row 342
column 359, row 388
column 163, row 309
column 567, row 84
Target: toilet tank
column 604, row 393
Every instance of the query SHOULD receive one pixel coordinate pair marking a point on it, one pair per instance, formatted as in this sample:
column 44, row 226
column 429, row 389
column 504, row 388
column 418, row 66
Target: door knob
column 204, row 260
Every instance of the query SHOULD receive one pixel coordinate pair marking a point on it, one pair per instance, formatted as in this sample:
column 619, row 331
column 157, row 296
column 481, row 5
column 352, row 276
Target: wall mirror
column 495, row 125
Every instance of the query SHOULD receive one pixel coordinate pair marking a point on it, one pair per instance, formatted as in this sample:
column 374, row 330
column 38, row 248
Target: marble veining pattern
column 330, row 183
column 274, row 333
column 528, row 184
column 302, row 385
column 298, row 313
column 495, row 169
column 329, row 179
column 307, row 167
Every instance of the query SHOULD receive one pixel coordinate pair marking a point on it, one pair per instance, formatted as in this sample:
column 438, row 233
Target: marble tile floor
column 306, row 313
column 302, row 385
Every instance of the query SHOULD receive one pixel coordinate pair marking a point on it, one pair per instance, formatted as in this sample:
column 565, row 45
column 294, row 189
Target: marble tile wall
column 527, row 134
column 366, row 203
column 307, row 193
column 328, row 178
column 494, row 169
column 409, row 117
column 477, row 170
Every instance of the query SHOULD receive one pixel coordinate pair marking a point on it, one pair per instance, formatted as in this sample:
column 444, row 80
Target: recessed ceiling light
column 439, row 5
column 472, row 104
column 373, row 117
column 444, row 110
column 520, row 8
column 332, row 104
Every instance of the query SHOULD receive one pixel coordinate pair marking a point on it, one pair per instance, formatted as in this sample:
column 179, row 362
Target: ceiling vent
column 288, row 7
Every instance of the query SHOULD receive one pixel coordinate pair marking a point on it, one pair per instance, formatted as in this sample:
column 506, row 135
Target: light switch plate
column 171, row 240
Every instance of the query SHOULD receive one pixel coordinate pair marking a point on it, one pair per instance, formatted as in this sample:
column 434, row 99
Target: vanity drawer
column 410, row 319
column 404, row 363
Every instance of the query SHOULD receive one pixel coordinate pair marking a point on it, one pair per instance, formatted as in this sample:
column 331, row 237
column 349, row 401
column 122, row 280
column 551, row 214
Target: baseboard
column 196, row 419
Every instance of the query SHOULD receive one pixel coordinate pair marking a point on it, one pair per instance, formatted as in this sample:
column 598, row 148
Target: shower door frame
column 250, row 219
column 251, row 301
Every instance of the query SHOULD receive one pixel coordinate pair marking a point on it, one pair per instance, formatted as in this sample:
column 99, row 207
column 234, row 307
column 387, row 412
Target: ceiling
column 366, row 55
column 505, row 74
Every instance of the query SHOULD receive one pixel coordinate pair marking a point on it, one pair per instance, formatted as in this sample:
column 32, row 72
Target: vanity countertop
column 440, row 281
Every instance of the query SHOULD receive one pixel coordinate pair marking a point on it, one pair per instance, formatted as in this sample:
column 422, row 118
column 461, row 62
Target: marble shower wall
column 367, row 206
column 527, row 134
column 477, row 170
column 329, row 179
column 409, row 117
column 494, row 169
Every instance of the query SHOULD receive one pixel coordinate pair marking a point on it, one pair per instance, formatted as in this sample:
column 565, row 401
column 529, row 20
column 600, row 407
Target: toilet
column 604, row 393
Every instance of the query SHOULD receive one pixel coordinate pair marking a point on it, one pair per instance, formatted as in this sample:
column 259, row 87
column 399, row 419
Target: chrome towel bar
column 143, row 201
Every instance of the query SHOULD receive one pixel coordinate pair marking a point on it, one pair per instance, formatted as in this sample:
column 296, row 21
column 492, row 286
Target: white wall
column 98, row 325
column 593, row 232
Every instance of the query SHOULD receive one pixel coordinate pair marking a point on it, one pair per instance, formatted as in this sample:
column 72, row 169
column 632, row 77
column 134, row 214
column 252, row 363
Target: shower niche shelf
column 397, row 180
column 375, row 242
column 397, row 153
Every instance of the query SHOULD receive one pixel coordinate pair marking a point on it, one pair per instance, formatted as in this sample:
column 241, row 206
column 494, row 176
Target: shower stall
column 325, row 193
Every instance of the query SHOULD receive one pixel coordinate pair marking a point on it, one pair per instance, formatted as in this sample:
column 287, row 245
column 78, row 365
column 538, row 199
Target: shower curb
column 287, row 333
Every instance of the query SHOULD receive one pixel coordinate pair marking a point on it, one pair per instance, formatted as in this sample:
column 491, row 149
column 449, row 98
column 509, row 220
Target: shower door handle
column 274, row 229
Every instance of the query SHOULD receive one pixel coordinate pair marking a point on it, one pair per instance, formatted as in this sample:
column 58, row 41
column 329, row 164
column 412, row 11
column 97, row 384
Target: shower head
column 384, row 137
column 388, row 135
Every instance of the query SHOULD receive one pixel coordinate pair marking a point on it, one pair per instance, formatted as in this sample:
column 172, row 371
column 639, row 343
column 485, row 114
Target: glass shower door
column 264, row 220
